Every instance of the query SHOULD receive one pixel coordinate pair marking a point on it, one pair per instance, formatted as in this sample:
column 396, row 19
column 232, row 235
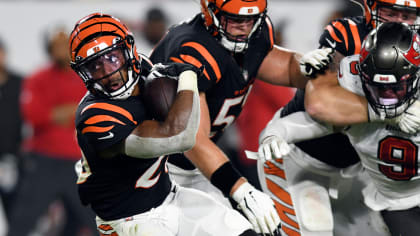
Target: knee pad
column 313, row 207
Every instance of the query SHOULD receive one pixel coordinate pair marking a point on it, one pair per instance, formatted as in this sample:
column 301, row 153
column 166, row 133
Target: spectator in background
column 154, row 27
column 10, row 136
column 49, row 100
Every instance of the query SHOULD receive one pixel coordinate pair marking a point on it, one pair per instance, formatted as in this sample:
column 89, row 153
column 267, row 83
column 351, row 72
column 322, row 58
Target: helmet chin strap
column 230, row 45
column 127, row 89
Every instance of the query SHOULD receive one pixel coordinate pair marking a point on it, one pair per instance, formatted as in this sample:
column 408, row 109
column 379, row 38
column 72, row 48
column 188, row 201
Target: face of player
column 394, row 15
column 238, row 29
column 109, row 69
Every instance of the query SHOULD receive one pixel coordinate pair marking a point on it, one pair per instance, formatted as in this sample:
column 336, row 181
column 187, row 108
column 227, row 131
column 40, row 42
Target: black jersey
column 121, row 186
column 345, row 36
column 226, row 79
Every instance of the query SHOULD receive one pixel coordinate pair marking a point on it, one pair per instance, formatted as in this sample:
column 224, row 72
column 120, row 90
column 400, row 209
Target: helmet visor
column 390, row 97
column 104, row 63
column 396, row 13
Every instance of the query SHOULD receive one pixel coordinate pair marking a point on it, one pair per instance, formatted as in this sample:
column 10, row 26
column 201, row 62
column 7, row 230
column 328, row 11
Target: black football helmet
column 101, row 46
column 389, row 68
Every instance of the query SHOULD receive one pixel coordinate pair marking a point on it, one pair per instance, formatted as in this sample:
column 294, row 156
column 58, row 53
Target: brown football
column 158, row 96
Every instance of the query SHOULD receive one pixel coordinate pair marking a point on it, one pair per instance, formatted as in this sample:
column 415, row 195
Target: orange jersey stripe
column 356, row 36
column 270, row 31
column 110, row 107
column 105, row 227
column 343, row 31
column 96, row 129
column 332, row 33
column 210, row 59
column 102, row 118
column 174, row 59
column 272, row 169
column 279, row 192
column 288, row 231
column 284, row 213
column 195, row 62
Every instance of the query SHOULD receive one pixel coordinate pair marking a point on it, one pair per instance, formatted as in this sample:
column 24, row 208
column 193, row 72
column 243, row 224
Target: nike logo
column 332, row 44
column 110, row 135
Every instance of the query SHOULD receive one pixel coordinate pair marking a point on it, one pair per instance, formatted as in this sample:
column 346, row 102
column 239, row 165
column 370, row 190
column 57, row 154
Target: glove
column 315, row 62
column 258, row 208
column 273, row 146
column 172, row 70
column 409, row 120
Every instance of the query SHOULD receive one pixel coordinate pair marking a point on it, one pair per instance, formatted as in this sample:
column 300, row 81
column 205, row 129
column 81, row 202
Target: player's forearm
column 215, row 165
column 296, row 127
column 334, row 104
column 281, row 67
column 206, row 156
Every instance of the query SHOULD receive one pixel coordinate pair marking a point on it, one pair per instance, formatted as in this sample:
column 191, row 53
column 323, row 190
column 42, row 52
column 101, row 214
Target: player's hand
column 315, row 62
column 409, row 121
column 172, row 70
column 258, row 208
column 273, row 146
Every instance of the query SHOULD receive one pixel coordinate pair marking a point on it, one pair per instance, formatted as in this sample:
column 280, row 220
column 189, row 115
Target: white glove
column 273, row 146
column 258, row 208
column 316, row 61
column 409, row 121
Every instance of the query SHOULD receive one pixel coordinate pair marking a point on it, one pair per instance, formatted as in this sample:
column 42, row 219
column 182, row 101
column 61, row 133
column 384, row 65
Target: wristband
column 187, row 81
column 225, row 177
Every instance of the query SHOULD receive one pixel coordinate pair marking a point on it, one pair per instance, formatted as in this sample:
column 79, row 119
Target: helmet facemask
column 231, row 42
column 104, row 56
column 389, row 68
column 108, row 72
column 223, row 22
column 387, row 12
column 391, row 98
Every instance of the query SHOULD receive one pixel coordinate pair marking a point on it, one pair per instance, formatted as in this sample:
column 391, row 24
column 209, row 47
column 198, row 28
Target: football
column 158, row 95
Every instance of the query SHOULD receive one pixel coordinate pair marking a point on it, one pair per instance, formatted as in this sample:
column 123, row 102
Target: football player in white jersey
column 386, row 72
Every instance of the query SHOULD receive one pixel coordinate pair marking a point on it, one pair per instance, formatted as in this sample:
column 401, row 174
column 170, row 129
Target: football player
column 123, row 174
column 387, row 74
column 324, row 99
column 233, row 40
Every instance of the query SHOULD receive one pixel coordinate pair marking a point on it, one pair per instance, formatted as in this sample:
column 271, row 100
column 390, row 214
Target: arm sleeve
column 152, row 147
column 294, row 128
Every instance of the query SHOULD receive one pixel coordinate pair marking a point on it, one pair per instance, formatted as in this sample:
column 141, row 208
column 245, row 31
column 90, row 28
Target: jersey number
column 147, row 180
column 223, row 118
column 401, row 155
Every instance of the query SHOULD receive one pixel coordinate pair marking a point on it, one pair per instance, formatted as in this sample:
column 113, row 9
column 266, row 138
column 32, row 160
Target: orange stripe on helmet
column 96, row 129
column 110, row 107
column 205, row 53
column 332, row 33
column 343, row 32
column 270, row 31
column 356, row 36
column 102, row 118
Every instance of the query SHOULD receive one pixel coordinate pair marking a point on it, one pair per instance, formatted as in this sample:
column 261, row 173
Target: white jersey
column 390, row 156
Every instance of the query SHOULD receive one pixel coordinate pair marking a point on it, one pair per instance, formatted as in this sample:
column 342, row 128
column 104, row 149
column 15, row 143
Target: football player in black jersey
column 326, row 100
column 123, row 174
column 233, row 40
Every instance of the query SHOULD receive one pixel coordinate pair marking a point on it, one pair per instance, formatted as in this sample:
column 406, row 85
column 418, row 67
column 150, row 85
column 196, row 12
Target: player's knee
column 315, row 208
column 249, row 232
